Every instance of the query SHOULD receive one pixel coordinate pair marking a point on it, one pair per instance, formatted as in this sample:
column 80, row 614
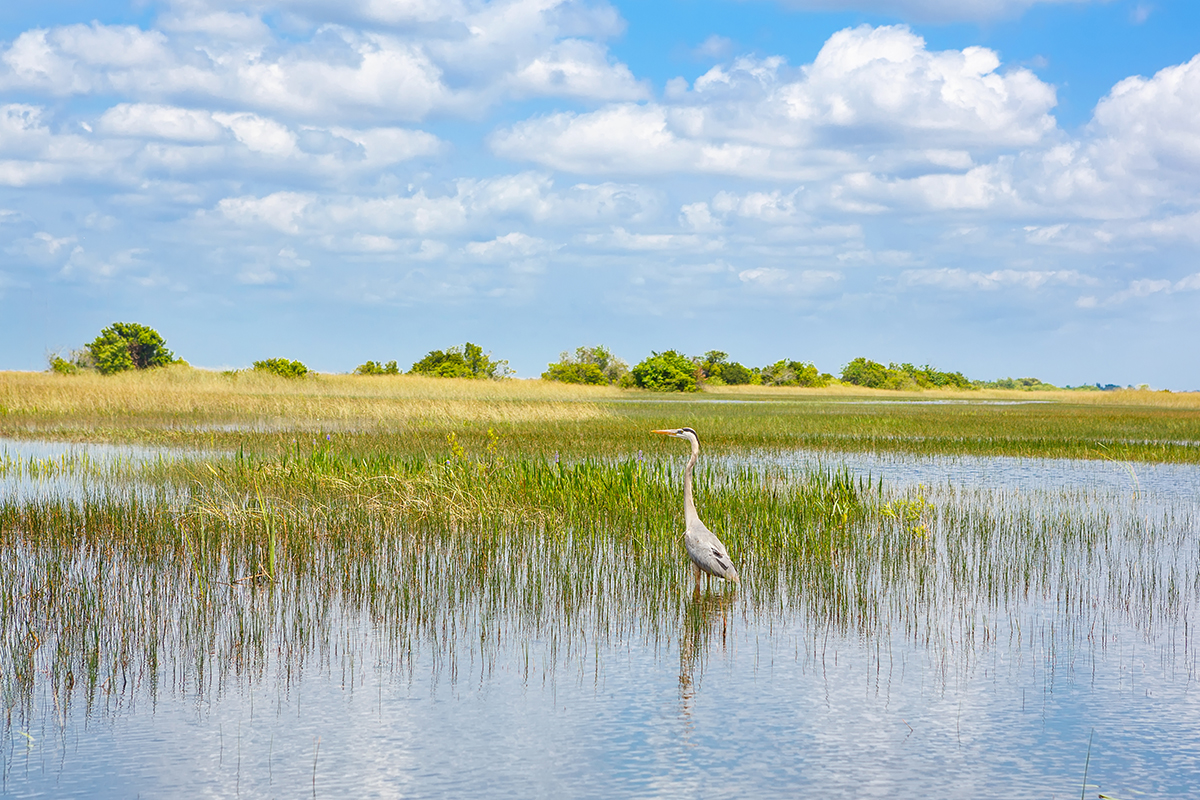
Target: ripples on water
column 956, row 690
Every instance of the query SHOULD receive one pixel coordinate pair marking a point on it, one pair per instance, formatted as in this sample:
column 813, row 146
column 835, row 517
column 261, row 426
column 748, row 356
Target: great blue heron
column 703, row 546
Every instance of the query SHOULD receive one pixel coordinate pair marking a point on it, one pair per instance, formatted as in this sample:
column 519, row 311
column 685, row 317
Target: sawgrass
column 412, row 415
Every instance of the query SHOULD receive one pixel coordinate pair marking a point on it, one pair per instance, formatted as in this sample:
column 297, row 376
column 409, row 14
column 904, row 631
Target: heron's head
column 681, row 433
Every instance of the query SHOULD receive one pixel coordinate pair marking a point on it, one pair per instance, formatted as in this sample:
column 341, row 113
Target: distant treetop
column 120, row 347
column 281, row 367
column 468, row 361
column 372, row 368
column 591, row 365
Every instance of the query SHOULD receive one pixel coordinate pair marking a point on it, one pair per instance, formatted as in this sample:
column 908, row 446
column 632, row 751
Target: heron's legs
column 696, row 570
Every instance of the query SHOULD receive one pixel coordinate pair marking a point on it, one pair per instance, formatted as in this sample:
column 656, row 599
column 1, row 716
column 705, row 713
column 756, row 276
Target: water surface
column 953, row 690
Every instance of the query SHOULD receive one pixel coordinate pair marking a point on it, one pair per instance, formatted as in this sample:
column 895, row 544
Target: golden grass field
column 413, row 413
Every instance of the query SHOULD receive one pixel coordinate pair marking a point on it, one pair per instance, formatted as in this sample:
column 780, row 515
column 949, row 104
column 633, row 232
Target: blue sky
column 1001, row 187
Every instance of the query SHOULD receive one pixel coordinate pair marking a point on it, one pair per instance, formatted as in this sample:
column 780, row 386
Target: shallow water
column 773, row 713
column 1160, row 481
column 742, row 700
column 35, row 470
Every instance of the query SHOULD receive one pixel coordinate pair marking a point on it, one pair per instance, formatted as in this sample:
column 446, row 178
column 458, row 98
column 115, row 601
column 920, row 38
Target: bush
column 128, row 345
column 371, row 368
column 734, row 374
column 720, row 371
column 794, row 373
column 467, row 361
column 668, row 371
column 76, row 362
column 1027, row 384
column 575, row 373
column 590, row 365
column 281, row 367
column 862, row 372
column 873, row 375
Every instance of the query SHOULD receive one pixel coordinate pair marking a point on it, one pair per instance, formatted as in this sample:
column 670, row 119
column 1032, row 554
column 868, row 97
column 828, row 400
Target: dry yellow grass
column 185, row 395
column 1119, row 397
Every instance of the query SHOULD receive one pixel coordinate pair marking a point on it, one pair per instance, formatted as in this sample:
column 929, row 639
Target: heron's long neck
column 689, row 503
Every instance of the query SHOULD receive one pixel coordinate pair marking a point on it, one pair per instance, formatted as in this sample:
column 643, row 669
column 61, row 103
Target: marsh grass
column 273, row 563
column 411, row 415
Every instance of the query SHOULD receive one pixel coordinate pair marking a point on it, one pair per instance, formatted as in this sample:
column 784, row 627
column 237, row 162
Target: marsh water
column 1088, row 667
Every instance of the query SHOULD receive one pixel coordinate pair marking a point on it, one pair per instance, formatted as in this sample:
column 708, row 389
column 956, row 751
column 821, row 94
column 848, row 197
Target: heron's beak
column 665, row 433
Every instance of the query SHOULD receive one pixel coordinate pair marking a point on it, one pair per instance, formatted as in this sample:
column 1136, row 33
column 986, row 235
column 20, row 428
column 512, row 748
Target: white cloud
column 780, row 280
column 510, row 245
column 474, row 205
column 1147, row 287
column 132, row 144
column 1150, row 124
column 621, row 239
column 260, row 135
column 762, row 275
column 147, row 120
column 978, row 189
column 475, row 55
column 576, row 68
column 714, row 46
column 959, row 279
column 698, row 217
column 281, row 210
column 759, row 118
column 1189, row 284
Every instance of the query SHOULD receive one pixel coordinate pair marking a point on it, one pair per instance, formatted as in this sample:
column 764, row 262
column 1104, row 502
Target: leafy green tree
column 575, row 373
column 720, row 371
column 128, row 345
column 468, row 361
column 668, row 371
column 928, row 377
column 1028, row 384
column 863, row 372
column 281, row 367
column 372, row 368
column 590, row 365
column 735, row 374
column 794, row 373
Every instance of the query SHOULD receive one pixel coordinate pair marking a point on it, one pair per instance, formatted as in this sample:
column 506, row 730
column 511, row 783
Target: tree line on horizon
column 125, row 346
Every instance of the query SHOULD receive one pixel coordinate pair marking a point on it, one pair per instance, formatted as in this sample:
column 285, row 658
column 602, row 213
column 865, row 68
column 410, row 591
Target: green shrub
column 668, row 371
column 873, row 375
column 468, row 361
column 720, row 371
column 128, row 345
column 590, row 365
column 794, row 373
column 62, row 366
column 862, row 372
column 281, row 367
column 372, row 368
column 1027, row 384
column 575, row 373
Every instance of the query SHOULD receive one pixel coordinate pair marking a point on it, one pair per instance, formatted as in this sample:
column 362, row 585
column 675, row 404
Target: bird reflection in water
column 706, row 621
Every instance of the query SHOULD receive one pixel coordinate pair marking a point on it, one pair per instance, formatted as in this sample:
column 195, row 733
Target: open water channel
column 739, row 703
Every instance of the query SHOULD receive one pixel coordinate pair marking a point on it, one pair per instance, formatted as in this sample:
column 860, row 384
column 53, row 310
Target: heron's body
column 707, row 552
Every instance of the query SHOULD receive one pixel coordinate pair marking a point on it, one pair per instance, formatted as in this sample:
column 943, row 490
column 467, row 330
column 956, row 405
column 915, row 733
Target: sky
column 997, row 187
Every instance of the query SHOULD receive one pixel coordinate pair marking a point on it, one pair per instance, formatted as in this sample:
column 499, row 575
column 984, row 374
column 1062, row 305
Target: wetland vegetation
column 459, row 531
